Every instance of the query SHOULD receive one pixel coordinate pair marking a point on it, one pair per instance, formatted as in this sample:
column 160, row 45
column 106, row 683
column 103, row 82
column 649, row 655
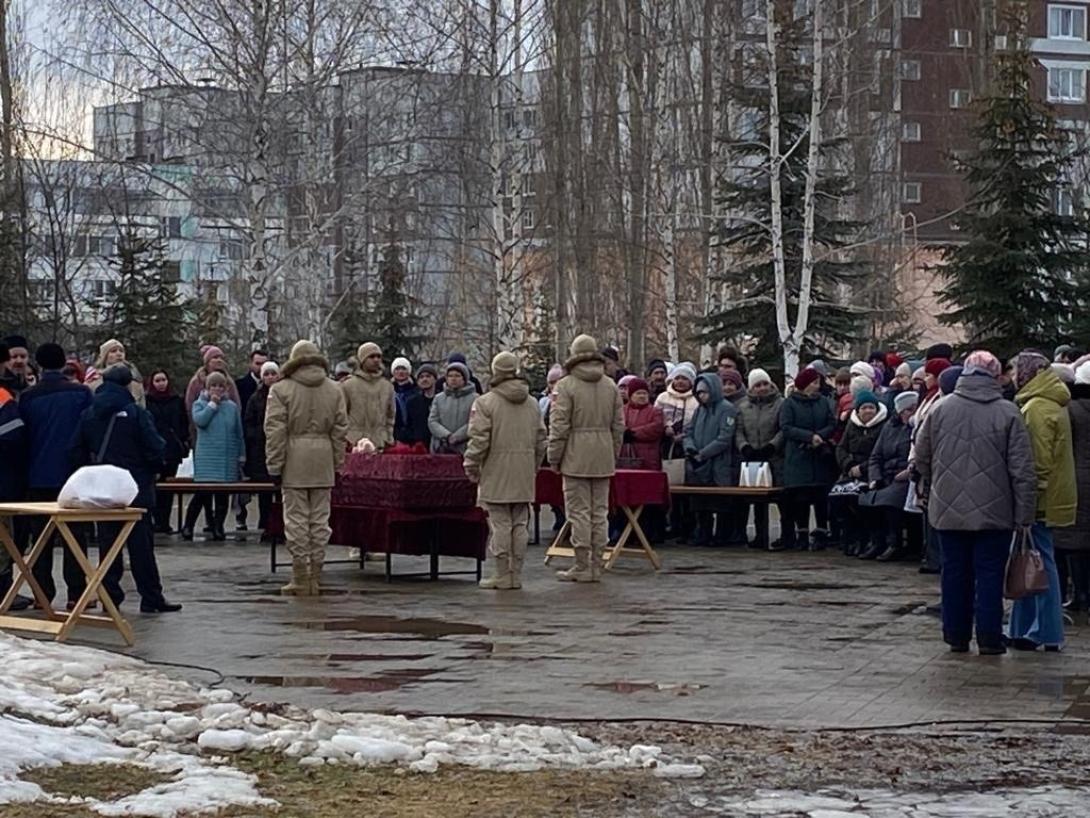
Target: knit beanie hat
column 270, row 366
column 864, row 369
column 757, row 376
column 683, row 370
column 806, row 377
column 735, row 377
column 1062, row 350
column 654, row 364
column 504, row 366
column 50, row 356
column 637, row 384
column 860, row 383
column 118, row 374
column 428, row 369
column 216, row 379
column 904, row 370
column 209, row 352
column 864, row 397
column 457, row 358
column 16, row 342
column 401, row 363
column 302, row 349
column 982, row 362
column 949, row 379
column 893, row 360
column 820, row 367
column 109, row 347
column 556, row 372
column 583, row 345
column 611, row 353
column 1065, row 372
column 343, row 368
column 367, row 350
column 939, row 351
column 935, row 366
column 843, row 375
column 1082, row 374
column 625, row 381
column 457, row 367
column 906, row 400
column 1027, row 364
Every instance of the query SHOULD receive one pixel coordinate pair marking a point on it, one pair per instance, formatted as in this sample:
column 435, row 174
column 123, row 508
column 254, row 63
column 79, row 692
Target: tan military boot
column 518, row 557
column 596, row 565
column 315, row 577
column 300, row 579
column 581, row 571
column 501, row 575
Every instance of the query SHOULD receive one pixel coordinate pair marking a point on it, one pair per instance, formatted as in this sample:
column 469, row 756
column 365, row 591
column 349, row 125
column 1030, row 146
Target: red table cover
column 403, row 482
column 629, row 487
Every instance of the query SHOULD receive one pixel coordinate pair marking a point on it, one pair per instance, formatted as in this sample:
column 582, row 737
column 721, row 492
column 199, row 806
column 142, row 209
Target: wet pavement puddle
column 656, row 687
column 381, row 683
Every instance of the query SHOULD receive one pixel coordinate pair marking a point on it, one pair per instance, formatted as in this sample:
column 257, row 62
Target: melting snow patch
column 61, row 704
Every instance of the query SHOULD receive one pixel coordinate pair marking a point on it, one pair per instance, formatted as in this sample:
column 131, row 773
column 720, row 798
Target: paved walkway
column 791, row 639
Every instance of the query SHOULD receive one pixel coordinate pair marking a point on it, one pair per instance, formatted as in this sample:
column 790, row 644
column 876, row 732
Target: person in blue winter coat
column 219, row 452
column 709, row 447
column 51, row 411
column 13, row 453
column 115, row 431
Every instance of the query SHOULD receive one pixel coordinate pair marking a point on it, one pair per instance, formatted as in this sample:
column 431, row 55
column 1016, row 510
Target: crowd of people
column 885, row 459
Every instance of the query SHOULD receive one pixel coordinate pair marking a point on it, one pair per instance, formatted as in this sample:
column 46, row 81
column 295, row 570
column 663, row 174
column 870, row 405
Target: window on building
column 170, row 227
column 172, row 272
column 910, row 69
column 529, row 117
column 1066, row 23
column 510, row 119
column 103, row 288
column 1064, row 202
column 79, row 247
column 912, row 193
column 961, row 37
column 910, row 132
column 41, row 290
column 529, row 184
column 1066, row 85
column 1001, row 42
column 911, row 8
column 231, row 249
column 528, row 219
column 753, row 8
column 960, row 98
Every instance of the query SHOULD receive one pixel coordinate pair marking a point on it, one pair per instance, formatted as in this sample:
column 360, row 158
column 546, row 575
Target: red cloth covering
column 403, row 482
column 458, row 533
column 629, row 487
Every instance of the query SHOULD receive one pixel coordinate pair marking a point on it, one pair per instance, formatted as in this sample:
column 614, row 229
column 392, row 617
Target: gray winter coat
column 449, row 419
column 975, row 461
column 758, row 429
column 711, row 439
column 888, row 458
column 1077, row 537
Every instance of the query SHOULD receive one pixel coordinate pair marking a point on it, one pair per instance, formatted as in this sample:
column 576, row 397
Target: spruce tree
column 1014, row 282
column 147, row 313
column 348, row 325
column 393, row 323
column 748, row 317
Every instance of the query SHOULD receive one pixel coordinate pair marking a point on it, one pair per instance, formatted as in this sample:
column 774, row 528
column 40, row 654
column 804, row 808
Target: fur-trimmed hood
column 294, row 365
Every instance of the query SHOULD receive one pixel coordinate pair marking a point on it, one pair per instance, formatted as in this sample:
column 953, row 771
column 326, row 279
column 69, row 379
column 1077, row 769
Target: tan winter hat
column 302, row 349
column 367, row 350
column 505, row 366
column 584, row 345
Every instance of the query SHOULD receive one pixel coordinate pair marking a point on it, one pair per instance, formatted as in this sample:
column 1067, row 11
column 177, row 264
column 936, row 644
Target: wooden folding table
column 62, row 623
column 630, row 490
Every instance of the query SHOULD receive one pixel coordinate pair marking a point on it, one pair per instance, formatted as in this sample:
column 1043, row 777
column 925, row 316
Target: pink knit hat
column 209, row 352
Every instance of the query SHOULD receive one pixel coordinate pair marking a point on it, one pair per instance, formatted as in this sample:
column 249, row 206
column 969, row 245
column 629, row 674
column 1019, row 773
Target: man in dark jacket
column 247, row 386
column 18, row 363
column 978, row 483
column 13, row 457
column 114, row 431
column 418, row 407
column 51, row 411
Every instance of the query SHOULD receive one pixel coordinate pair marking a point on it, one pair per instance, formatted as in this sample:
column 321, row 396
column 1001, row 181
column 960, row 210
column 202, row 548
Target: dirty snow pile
column 61, row 704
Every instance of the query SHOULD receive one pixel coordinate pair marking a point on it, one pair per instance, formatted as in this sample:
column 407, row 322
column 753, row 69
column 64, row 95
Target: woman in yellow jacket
column 1038, row 620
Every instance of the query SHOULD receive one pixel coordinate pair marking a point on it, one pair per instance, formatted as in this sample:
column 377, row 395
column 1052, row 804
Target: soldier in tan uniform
column 586, row 430
column 305, row 429
column 506, row 444
column 369, row 399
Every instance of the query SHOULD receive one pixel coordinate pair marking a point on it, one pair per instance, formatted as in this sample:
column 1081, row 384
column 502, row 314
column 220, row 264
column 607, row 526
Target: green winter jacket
column 1043, row 401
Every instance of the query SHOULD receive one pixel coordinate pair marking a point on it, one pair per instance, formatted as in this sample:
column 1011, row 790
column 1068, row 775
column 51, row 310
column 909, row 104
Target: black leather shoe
column 187, row 535
column 217, row 535
column 927, row 569
column 21, row 603
column 872, row 552
column 159, row 607
column 889, row 555
column 1023, row 644
column 991, row 650
column 959, row 647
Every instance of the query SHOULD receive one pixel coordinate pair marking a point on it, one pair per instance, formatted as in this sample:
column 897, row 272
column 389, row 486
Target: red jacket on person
column 647, row 425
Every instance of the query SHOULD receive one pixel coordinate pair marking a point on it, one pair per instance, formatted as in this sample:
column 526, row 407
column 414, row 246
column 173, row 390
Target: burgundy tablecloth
column 629, row 487
column 457, row 532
